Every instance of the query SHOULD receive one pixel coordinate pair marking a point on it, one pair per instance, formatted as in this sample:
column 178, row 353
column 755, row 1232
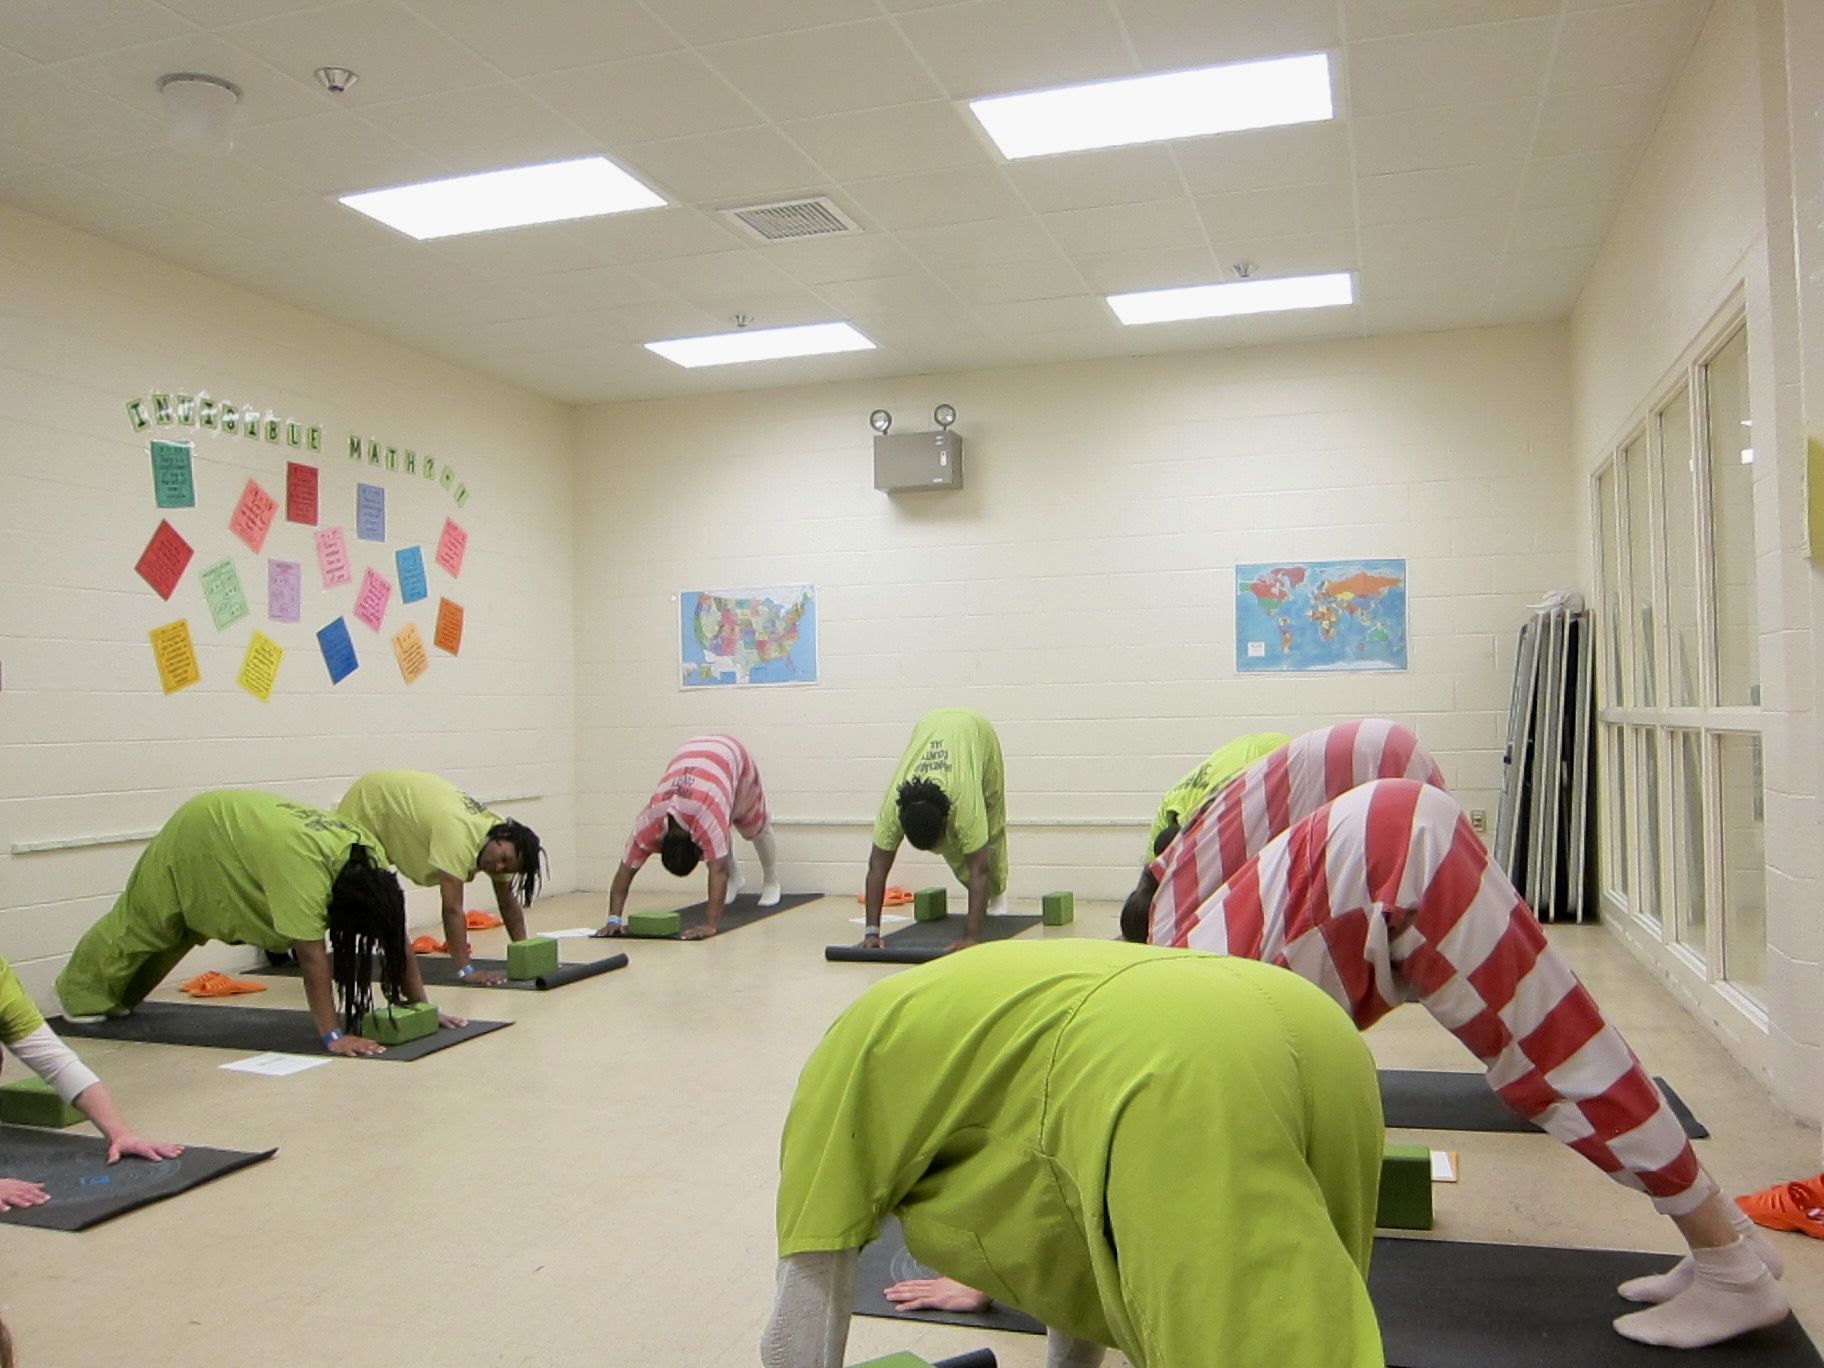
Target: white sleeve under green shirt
column 22, row 1030
column 1210, row 778
column 428, row 826
column 956, row 749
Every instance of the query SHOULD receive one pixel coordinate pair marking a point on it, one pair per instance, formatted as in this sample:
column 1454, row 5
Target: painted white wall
column 88, row 742
column 1079, row 590
column 1706, row 228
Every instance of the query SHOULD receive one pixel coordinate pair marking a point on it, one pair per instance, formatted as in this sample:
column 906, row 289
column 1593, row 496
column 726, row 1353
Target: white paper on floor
column 568, row 933
column 885, row 917
column 274, row 1065
column 1443, row 1166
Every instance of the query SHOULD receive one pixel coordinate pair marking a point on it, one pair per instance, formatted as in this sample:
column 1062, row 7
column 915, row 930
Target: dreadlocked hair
column 531, row 854
column 677, row 852
column 1167, row 834
column 1137, row 911
column 366, row 913
column 923, row 810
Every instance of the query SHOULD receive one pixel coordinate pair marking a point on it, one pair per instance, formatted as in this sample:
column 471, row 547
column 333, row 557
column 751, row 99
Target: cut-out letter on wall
column 175, row 656
column 162, row 563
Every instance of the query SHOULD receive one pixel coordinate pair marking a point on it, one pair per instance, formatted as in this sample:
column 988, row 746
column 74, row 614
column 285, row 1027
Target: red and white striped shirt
column 710, row 785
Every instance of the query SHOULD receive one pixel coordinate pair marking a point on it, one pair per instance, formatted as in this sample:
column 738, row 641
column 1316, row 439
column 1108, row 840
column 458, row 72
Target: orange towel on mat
column 212, row 984
column 424, row 945
column 482, row 921
column 895, row 897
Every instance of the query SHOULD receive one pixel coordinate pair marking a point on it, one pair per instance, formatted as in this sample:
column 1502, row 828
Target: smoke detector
column 336, row 80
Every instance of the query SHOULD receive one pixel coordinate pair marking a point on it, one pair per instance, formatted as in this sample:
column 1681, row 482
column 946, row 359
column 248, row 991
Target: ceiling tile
column 1011, row 281
column 333, row 154
column 859, row 256
column 1014, row 239
column 1433, row 240
column 11, row 61
column 1562, row 227
column 878, row 295
column 1434, row 314
column 702, row 278
column 1646, row 42
column 56, row 30
column 1448, row 67
column 192, row 243
column 59, row 121
column 396, row 54
column 517, row 253
column 1599, row 120
column 996, row 47
column 1081, row 312
column 1127, row 227
column 934, row 198
column 599, row 287
column 218, row 13
column 131, row 76
column 1542, row 282
column 482, row 129
column 1449, row 192
column 717, row 21
column 305, row 225
column 1089, row 180
column 14, row 160
column 1292, row 253
column 672, row 95
column 1278, row 211
column 1419, row 279
column 1577, row 179
column 899, row 140
column 528, row 37
column 1463, row 135
column 782, row 308
column 1169, row 35
column 1307, row 154
column 654, row 234
column 725, row 168
column 1160, row 270
column 824, row 71
column 192, row 186
column 1387, row 18
column 71, row 197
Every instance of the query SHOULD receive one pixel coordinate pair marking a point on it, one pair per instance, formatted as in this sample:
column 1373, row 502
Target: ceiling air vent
column 785, row 220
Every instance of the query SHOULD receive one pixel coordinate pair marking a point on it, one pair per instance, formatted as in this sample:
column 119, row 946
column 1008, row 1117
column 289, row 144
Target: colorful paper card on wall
column 300, row 493
column 222, row 591
column 162, row 563
column 338, row 651
column 253, row 516
column 172, row 482
column 451, row 546
column 412, row 587
column 332, row 557
column 449, row 626
column 370, row 603
column 176, row 656
column 408, row 649
column 284, row 590
column 370, row 512
column 260, row 666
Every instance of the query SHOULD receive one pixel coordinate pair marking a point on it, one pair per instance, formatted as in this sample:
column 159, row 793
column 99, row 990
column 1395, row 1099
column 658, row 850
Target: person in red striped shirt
column 710, row 789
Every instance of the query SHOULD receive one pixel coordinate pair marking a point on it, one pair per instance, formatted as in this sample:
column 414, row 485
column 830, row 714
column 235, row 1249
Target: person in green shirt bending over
column 22, row 1030
column 1204, row 783
column 256, row 869
column 949, row 796
column 439, row 837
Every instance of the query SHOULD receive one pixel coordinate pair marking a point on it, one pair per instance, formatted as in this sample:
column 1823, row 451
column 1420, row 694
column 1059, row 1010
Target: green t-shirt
column 428, row 825
column 19, row 1015
column 1210, row 778
column 956, row 749
column 254, row 868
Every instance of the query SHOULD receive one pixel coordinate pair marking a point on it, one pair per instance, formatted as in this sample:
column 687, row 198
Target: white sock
column 997, row 905
column 737, row 882
column 1661, row 1287
column 1731, row 1293
column 768, row 851
column 812, row 1303
column 1066, row 1351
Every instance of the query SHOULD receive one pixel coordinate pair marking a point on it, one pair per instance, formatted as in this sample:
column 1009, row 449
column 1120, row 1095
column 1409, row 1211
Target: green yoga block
column 1060, row 909
column 33, row 1102
column 396, row 1025
column 531, row 957
column 931, row 904
column 903, row 1359
column 1405, row 1188
column 654, row 923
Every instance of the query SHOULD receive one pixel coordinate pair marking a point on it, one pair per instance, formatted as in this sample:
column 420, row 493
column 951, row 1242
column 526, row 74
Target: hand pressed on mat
column 936, row 1294
column 16, row 1192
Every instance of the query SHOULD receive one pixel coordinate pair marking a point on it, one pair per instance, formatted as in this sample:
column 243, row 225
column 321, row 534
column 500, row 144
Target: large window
column 1679, row 738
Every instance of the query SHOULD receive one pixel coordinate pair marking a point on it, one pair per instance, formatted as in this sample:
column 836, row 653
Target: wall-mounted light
column 199, row 111
column 943, row 415
column 880, row 420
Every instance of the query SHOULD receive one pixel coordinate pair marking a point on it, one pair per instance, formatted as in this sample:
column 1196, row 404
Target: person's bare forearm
column 319, row 994
column 880, row 864
column 95, row 1103
column 718, row 894
column 510, row 911
column 978, row 899
column 617, row 894
column 455, row 922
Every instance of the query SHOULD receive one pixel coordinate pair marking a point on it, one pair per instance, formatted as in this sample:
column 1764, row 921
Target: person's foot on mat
column 997, row 905
column 770, row 895
column 86, row 1019
column 1661, row 1287
column 936, row 1294
column 1731, row 1293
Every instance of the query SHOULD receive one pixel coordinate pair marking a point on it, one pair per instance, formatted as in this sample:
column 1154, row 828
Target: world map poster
column 734, row 637
column 1320, row 615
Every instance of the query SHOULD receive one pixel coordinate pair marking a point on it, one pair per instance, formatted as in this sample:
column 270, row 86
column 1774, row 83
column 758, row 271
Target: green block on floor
column 903, row 1359
column 531, row 957
column 1405, row 1188
column 654, row 923
column 33, row 1102
column 396, row 1025
column 1060, row 909
column 931, row 904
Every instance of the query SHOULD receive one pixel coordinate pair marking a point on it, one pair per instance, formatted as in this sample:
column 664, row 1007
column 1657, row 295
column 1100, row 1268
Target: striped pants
column 1380, row 893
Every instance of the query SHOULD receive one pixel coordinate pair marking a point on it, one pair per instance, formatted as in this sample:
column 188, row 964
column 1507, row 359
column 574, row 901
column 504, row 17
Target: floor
column 595, row 1186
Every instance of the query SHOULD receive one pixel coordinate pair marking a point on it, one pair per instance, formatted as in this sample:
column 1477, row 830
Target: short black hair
column 677, row 852
column 1137, row 911
column 531, row 854
column 924, row 808
column 1167, row 834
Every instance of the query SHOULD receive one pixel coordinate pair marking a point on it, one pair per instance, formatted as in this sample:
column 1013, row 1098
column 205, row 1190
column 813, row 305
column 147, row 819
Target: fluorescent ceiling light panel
column 551, row 193
column 1143, row 109
column 761, row 344
column 1235, row 297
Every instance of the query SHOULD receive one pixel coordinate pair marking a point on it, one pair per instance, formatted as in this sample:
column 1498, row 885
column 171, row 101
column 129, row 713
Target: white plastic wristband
column 330, row 1038
column 467, row 971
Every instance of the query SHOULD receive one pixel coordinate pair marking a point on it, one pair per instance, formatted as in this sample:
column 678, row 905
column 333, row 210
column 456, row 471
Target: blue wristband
column 467, row 971
column 330, row 1038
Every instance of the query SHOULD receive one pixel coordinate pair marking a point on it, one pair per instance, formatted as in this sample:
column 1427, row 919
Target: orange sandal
column 482, row 921
column 212, row 984
column 425, row 945
column 1795, row 1206
column 895, row 897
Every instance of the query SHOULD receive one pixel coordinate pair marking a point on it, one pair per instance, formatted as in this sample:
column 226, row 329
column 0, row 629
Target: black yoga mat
column 886, row 1262
column 743, row 911
column 86, row 1191
column 1441, row 1099
column 922, row 942
column 287, row 1031
column 1447, row 1304
column 440, row 972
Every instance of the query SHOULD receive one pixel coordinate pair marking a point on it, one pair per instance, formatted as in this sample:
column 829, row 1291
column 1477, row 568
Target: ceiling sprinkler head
column 1244, row 270
column 336, row 80
column 742, row 320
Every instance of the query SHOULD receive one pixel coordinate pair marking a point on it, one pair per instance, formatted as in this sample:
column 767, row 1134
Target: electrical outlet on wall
column 1478, row 820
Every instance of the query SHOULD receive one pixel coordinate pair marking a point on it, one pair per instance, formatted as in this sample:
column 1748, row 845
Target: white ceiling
column 1481, row 151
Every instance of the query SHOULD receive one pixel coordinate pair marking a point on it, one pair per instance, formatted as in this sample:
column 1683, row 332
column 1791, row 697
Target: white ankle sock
column 1731, row 1293
column 1662, row 1287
